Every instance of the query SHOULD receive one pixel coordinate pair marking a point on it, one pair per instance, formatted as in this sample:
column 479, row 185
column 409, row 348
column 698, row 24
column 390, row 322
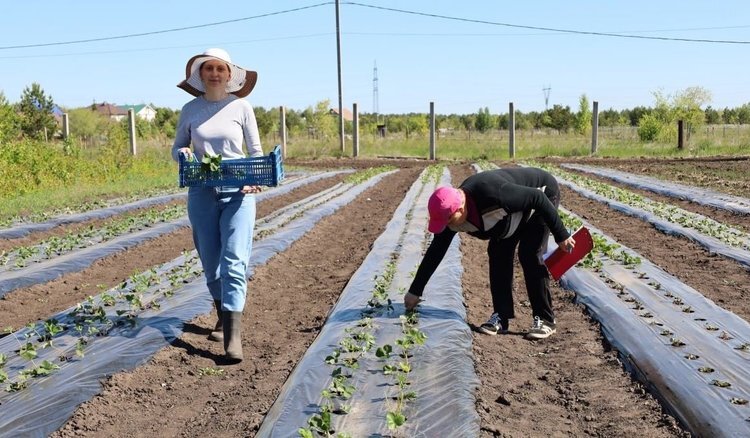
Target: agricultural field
column 106, row 317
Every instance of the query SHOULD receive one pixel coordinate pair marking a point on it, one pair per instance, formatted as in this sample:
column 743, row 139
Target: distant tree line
column 33, row 117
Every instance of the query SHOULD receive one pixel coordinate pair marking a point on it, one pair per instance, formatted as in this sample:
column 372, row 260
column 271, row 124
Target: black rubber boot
column 218, row 333
column 233, row 336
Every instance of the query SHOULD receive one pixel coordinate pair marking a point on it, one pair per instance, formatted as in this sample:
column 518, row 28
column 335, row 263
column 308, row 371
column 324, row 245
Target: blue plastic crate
column 267, row 170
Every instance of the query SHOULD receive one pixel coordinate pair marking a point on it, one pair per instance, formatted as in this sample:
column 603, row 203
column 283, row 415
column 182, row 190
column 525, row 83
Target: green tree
column 612, row 117
column 266, row 120
column 635, row 114
column 468, row 121
column 560, row 118
column 87, row 125
column 712, row 116
column 9, row 124
column 484, row 121
column 321, row 123
column 743, row 114
column 295, row 122
column 166, row 121
column 584, row 116
column 35, row 110
column 684, row 105
column 417, row 124
column 729, row 115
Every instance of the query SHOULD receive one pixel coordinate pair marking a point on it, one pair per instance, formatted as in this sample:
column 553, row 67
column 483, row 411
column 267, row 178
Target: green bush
column 29, row 165
column 649, row 128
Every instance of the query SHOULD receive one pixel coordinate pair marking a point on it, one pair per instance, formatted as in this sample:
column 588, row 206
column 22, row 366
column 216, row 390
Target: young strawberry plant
column 211, row 164
column 400, row 368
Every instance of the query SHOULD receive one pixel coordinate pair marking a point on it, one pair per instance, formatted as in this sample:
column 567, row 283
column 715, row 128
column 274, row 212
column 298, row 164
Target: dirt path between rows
column 567, row 385
column 742, row 222
column 723, row 174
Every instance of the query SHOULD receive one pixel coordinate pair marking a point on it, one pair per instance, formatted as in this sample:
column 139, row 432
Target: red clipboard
column 560, row 261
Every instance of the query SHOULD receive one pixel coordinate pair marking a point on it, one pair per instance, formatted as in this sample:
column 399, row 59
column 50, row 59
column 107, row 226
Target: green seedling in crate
column 211, row 163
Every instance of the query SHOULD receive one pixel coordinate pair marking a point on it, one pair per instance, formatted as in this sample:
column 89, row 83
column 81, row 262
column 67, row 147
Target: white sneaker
column 494, row 325
column 541, row 329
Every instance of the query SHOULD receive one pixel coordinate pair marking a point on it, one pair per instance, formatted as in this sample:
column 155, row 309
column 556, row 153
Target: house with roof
column 109, row 110
column 348, row 116
column 144, row 111
column 118, row 112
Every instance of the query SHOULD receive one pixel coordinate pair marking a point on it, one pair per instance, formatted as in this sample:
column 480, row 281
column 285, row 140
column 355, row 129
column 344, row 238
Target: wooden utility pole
column 341, row 94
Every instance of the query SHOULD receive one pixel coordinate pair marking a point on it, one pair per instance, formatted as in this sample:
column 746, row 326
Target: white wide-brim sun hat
column 241, row 82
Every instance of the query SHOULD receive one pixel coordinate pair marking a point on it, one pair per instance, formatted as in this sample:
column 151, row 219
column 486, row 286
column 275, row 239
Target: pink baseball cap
column 442, row 204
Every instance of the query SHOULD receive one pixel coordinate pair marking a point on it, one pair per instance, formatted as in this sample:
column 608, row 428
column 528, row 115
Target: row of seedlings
column 677, row 318
column 716, row 236
column 699, row 195
column 55, row 246
column 358, row 342
column 64, row 337
column 292, row 212
column 121, row 308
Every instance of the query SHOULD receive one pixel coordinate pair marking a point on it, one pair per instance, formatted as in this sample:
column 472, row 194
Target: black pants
column 531, row 240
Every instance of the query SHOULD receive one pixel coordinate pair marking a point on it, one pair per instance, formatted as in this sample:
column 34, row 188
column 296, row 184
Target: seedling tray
column 267, row 170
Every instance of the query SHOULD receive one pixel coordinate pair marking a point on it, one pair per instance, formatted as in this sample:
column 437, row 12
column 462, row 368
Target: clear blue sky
column 461, row 63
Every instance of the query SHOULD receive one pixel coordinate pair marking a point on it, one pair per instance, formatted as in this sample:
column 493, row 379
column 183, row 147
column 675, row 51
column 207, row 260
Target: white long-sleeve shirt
column 218, row 128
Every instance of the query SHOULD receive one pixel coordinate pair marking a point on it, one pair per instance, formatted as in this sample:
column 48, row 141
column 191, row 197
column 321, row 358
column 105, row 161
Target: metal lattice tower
column 375, row 103
column 546, row 96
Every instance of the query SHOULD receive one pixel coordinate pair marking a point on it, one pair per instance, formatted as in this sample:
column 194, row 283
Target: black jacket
column 503, row 200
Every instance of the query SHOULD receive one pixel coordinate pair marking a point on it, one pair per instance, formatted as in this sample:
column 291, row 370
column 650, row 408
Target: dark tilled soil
column 568, row 385
column 724, row 174
column 726, row 217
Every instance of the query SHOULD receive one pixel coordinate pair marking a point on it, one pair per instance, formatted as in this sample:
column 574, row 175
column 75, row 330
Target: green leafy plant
column 210, row 371
column 721, row 383
column 395, row 420
column 676, row 342
column 211, row 163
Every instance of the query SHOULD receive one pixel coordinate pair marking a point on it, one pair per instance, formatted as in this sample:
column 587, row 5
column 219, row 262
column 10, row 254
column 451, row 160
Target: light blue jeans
column 223, row 220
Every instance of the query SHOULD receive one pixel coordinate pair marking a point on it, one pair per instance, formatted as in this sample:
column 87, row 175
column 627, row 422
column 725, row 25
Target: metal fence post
column 595, row 128
column 65, row 126
column 282, row 130
column 511, row 131
column 355, row 131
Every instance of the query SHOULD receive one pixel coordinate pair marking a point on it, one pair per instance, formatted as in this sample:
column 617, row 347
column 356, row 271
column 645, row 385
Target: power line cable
column 548, row 29
column 403, row 11
column 153, row 49
column 157, row 32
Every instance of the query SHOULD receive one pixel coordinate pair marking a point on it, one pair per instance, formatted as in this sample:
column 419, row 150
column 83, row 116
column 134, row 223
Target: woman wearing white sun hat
column 217, row 122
